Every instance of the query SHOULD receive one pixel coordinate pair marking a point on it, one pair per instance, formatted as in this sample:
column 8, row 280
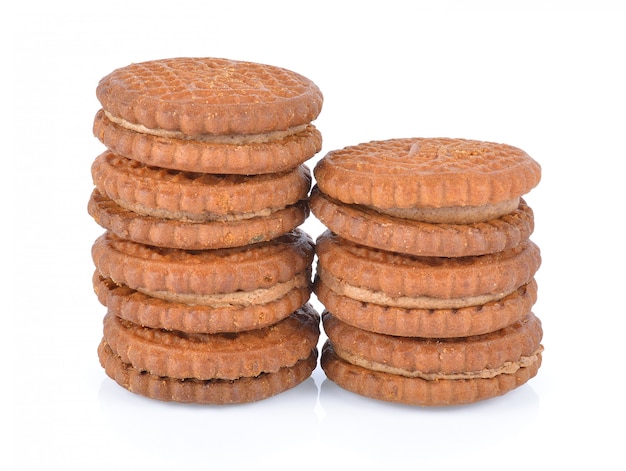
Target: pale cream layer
column 509, row 367
column 210, row 138
column 453, row 214
column 405, row 302
column 187, row 216
column 237, row 298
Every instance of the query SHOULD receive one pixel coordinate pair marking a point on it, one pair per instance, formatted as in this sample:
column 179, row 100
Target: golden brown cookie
column 214, row 356
column 209, row 96
column 213, row 391
column 194, row 211
column 209, row 115
column 196, row 197
column 427, row 196
column 375, row 276
column 431, row 323
column 480, row 356
column 187, row 235
column 239, row 156
column 157, row 313
column 435, row 173
column 432, row 372
column 417, row 391
column 369, row 227
column 244, row 275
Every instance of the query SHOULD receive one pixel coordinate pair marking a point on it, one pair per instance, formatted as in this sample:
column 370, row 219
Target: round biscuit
column 196, row 196
column 191, row 235
column 148, row 311
column 214, row 356
column 426, row 172
column 201, row 95
column 203, row 272
column 429, row 323
column 368, row 227
column 436, row 358
column 388, row 278
column 190, row 155
column 212, row 392
column 417, row 391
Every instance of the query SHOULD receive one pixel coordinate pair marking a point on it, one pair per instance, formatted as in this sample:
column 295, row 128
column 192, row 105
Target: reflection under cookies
column 388, row 433
column 224, row 434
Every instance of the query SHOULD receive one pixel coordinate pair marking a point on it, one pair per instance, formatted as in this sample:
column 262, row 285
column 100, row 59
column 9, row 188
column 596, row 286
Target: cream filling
column 187, row 216
column 509, row 367
column 405, row 302
column 453, row 214
column 210, row 138
column 237, row 298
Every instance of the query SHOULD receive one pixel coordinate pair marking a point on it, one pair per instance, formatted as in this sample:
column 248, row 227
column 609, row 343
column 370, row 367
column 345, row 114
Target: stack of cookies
column 426, row 271
column 203, row 268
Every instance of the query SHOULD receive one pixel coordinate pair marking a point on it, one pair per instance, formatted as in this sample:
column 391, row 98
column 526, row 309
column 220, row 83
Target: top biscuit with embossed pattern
column 209, row 96
column 404, row 174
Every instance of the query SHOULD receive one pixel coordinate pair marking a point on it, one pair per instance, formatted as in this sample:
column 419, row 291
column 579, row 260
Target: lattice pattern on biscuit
column 404, row 173
column 206, row 95
column 212, row 81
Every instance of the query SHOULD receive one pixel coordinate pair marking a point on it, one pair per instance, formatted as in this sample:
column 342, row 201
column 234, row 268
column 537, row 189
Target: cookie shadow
column 192, row 433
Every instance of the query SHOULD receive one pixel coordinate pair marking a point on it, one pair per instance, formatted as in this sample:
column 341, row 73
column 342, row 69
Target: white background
column 546, row 76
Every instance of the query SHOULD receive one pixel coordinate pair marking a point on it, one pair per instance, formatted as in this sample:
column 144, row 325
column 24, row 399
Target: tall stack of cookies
column 203, row 268
column 426, row 271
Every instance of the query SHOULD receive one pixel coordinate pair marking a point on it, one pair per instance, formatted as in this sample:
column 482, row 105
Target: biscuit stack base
column 203, row 269
column 214, row 326
column 428, row 289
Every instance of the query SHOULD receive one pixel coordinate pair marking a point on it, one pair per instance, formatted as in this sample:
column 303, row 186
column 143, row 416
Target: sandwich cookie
column 211, row 368
column 254, row 275
column 425, row 296
column 209, row 115
column 430, row 323
column 432, row 372
column 193, row 211
column 149, row 311
column 437, row 197
column 214, row 392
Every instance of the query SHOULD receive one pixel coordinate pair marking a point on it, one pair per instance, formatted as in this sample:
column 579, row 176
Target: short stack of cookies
column 426, row 269
column 203, row 268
